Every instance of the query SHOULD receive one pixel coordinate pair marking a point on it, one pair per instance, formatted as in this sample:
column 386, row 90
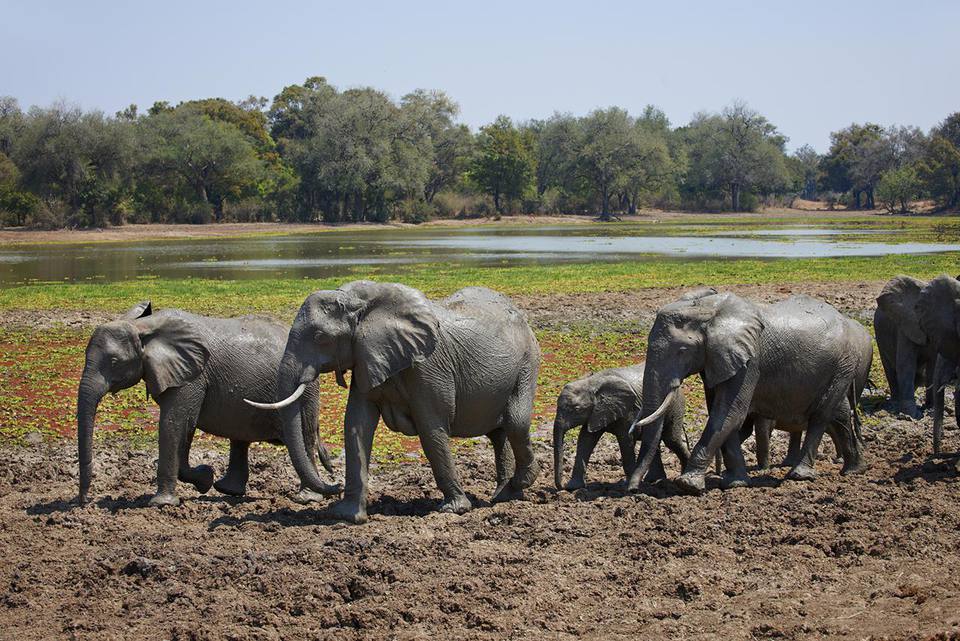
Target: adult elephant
column 608, row 401
column 938, row 310
column 463, row 366
column 194, row 367
column 908, row 357
column 793, row 362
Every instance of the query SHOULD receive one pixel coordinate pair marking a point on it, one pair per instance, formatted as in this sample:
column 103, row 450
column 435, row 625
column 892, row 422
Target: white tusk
column 297, row 393
column 643, row 422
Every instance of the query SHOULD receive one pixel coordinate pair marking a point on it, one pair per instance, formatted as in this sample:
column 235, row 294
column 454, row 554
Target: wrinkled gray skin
column 762, row 427
column 608, row 402
column 908, row 357
column 938, row 310
column 196, row 369
column 793, row 362
column 463, row 366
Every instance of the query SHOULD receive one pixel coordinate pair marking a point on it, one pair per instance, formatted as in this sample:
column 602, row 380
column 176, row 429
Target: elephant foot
column 732, row 482
column 161, row 500
column 801, row 472
column 231, row 486
column 790, row 461
column 524, row 477
column 506, row 492
column 956, row 466
column 202, row 478
column 458, row 504
column 575, row 484
column 692, row 483
column 306, row 495
column 349, row 510
column 853, row 468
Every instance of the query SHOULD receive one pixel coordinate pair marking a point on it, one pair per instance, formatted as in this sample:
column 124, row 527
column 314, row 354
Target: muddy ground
column 871, row 556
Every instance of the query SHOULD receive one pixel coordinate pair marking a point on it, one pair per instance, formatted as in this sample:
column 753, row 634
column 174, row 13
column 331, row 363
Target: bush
column 897, row 188
column 415, row 211
column 248, row 210
column 51, row 214
column 450, row 204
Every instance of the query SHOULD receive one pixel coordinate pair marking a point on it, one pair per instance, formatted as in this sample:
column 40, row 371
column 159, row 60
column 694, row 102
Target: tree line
column 317, row 153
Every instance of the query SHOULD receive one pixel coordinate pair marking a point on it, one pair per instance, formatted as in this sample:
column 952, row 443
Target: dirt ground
column 871, row 556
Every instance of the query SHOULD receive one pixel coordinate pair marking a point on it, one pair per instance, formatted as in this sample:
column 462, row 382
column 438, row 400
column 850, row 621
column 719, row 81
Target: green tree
column 939, row 172
column 858, row 157
column 609, row 150
column 897, row 188
column 503, row 165
column 804, row 165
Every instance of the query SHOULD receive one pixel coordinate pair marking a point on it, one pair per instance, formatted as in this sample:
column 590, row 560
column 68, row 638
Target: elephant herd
column 467, row 366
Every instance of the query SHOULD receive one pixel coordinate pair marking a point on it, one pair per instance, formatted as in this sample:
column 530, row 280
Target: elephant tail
column 854, row 413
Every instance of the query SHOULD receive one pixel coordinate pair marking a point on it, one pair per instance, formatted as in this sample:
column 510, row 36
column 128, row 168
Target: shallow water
column 337, row 253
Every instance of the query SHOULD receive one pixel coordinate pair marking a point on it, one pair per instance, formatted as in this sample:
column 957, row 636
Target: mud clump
column 875, row 555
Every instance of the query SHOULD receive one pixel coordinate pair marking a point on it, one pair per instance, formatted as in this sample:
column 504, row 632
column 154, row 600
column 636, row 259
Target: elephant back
column 485, row 305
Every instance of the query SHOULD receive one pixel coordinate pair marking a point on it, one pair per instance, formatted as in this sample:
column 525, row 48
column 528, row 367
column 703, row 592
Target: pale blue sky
column 811, row 66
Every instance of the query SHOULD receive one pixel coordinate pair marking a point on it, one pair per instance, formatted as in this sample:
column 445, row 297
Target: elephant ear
column 141, row 309
column 731, row 338
column 899, row 300
column 613, row 400
column 174, row 352
column 938, row 312
column 397, row 328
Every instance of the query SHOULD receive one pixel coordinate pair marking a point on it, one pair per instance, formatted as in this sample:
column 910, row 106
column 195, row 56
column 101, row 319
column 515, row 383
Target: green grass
column 284, row 295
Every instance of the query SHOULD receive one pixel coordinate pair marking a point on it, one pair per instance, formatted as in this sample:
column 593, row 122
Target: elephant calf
column 609, row 401
column 196, row 368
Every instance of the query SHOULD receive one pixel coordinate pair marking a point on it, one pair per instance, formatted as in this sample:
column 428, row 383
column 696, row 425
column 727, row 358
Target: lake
column 336, row 253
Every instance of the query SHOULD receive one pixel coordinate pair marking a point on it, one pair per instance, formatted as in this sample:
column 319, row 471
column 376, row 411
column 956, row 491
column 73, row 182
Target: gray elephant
column 762, row 427
column 938, row 310
column 794, row 362
column 194, row 367
column 608, row 401
column 463, row 366
column 908, row 357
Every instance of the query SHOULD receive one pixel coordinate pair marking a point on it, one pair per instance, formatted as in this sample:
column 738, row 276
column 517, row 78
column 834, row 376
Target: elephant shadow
column 52, row 507
column 110, row 504
column 933, row 469
column 384, row 505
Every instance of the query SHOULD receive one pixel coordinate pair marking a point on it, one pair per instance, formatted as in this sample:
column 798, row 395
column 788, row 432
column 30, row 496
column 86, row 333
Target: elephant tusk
column 643, row 422
column 297, row 393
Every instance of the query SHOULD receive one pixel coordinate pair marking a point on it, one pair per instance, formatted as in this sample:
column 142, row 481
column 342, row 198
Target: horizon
column 525, row 75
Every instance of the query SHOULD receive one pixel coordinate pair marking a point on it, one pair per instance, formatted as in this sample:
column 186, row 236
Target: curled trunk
column 91, row 390
column 292, row 419
column 656, row 400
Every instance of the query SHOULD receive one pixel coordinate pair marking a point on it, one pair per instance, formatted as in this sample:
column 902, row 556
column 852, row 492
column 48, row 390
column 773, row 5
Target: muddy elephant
column 195, row 368
column 463, row 366
column 608, row 401
column 844, row 415
column 793, row 362
column 908, row 357
column 938, row 309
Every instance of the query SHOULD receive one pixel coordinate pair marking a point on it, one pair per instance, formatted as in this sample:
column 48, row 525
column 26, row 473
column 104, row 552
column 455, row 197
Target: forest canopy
column 315, row 153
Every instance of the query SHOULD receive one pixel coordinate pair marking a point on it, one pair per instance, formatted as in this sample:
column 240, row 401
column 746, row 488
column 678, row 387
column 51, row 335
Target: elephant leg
column 907, row 377
column 887, row 347
column 179, row 411
column 762, row 429
column 234, row 482
column 676, row 439
column 359, row 424
column 502, row 455
column 627, row 455
column 793, row 449
column 804, row 469
column 657, row 471
column 586, row 443
column 516, row 422
column 731, row 404
column 436, row 445
column 201, row 476
column 736, row 472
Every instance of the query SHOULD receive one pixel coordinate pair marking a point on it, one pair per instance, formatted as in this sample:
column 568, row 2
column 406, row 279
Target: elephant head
column 938, row 310
column 375, row 330
column 592, row 402
column 714, row 335
column 165, row 351
column 898, row 300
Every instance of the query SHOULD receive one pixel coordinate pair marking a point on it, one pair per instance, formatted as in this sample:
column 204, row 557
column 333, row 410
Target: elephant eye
column 114, row 360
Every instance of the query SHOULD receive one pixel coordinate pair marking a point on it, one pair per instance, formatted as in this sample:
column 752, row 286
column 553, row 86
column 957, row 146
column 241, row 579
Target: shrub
column 897, row 188
column 415, row 211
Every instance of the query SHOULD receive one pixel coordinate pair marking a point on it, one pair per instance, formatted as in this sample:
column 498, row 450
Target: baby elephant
column 609, row 401
column 196, row 368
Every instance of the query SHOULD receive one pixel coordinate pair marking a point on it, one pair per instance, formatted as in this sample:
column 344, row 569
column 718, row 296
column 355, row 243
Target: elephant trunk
column 288, row 381
column 656, row 400
column 559, row 431
column 92, row 389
